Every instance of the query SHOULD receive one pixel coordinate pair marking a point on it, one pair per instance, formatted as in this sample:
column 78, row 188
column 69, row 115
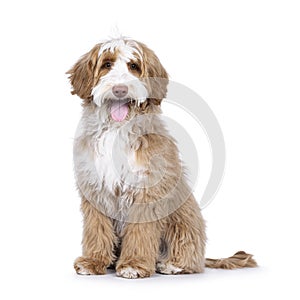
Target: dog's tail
column 240, row 259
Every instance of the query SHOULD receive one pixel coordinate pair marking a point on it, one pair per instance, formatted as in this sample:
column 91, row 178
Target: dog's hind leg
column 184, row 239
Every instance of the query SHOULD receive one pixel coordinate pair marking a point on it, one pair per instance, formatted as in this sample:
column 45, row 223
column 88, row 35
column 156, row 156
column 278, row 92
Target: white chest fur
column 112, row 153
column 108, row 160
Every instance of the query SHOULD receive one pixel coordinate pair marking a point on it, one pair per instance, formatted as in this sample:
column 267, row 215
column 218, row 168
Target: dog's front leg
column 98, row 242
column 140, row 246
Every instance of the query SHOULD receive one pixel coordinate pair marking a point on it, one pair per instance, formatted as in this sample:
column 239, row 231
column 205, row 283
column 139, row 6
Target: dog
column 139, row 214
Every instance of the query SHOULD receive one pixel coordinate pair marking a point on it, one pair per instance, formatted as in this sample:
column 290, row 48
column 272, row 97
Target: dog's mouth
column 119, row 109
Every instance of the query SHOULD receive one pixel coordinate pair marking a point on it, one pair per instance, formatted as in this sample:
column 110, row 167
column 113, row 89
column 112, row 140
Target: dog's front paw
column 89, row 266
column 128, row 273
column 167, row 268
column 132, row 271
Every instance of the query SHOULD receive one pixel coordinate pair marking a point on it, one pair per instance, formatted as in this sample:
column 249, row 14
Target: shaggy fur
column 139, row 213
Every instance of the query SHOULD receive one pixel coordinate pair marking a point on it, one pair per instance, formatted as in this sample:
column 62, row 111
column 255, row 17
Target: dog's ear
column 154, row 74
column 82, row 74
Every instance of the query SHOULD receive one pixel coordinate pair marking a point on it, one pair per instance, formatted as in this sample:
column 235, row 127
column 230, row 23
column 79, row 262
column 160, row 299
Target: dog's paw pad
column 167, row 268
column 128, row 272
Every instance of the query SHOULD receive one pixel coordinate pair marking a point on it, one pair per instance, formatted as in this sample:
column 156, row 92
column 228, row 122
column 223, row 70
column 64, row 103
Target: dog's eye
column 133, row 66
column 107, row 65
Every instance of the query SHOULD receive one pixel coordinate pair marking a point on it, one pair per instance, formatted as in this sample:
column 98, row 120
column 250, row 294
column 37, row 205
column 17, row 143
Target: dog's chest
column 110, row 159
column 115, row 161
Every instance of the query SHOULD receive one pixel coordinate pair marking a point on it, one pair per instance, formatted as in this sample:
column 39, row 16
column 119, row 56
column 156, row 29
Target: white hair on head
column 126, row 46
column 114, row 40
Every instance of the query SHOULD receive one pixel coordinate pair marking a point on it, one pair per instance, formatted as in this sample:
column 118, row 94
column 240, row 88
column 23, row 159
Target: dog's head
column 119, row 70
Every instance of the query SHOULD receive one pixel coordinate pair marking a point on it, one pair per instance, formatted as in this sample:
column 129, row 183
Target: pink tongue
column 119, row 111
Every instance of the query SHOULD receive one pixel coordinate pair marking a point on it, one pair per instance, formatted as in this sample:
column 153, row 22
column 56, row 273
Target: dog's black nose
column 120, row 91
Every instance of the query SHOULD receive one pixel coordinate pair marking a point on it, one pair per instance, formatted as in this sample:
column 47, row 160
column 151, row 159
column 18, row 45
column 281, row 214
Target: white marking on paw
column 81, row 270
column 128, row 273
column 168, row 268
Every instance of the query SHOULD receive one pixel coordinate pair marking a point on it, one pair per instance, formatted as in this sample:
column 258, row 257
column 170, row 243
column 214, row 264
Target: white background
column 242, row 57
